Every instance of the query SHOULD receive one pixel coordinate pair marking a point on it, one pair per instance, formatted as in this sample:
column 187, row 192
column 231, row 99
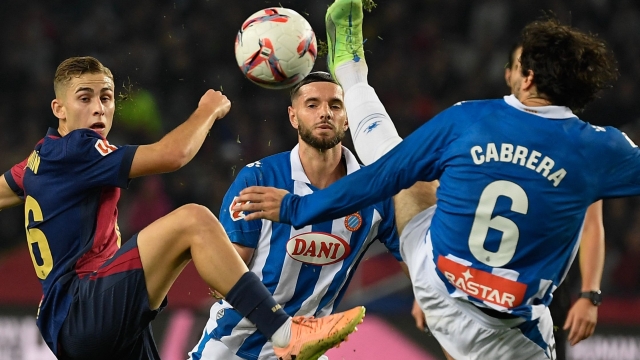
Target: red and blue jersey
column 70, row 186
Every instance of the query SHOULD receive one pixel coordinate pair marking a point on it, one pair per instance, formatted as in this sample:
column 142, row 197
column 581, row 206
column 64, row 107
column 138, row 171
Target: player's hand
column 581, row 320
column 418, row 315
column 261, row 202
column 215, row 102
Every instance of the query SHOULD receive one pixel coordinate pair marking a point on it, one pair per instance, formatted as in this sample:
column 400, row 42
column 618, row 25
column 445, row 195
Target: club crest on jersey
column 318, row 248
column 235, row 214
column 353, row 222
column 104, row 148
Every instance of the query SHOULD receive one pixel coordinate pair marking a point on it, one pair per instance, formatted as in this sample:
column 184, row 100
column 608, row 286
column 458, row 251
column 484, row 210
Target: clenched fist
column 215, row 102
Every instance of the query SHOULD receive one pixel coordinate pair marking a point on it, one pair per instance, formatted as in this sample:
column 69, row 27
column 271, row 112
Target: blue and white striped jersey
column 515, row 183
column 307, row 270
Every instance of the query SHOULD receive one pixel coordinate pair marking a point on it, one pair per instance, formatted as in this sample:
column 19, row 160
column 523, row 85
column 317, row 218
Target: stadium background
column 424, row 55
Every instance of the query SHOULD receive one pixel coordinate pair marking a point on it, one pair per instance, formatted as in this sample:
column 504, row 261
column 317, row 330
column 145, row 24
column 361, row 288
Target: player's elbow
column 168, row 160
column 176, row 160
column 155, row 159
column 174, row 154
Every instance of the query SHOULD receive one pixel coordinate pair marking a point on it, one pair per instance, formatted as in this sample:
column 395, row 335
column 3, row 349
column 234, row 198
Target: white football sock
column 282, row 336
column 372, row 130
column 351, row 73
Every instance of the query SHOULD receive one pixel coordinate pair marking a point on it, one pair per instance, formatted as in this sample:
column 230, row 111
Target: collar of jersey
column 549, row 112
column 297, row 171
column 53, row 132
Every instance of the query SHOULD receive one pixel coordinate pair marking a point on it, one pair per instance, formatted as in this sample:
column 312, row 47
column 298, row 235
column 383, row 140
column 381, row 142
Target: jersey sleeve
column 96, row 162
column 245, row 233
column 388, row 232
column 618, row 165
column 14, row 177
column 415, row 158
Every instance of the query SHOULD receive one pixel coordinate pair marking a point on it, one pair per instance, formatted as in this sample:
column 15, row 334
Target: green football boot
column 344, row 33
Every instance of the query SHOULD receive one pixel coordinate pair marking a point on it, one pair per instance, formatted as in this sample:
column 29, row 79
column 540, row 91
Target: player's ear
column 293, row 119
column 58, row 109
column 346, row 123
column 527, row 80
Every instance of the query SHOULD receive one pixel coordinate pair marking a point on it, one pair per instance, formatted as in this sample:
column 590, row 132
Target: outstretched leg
column 192, row 232
column 372, row 130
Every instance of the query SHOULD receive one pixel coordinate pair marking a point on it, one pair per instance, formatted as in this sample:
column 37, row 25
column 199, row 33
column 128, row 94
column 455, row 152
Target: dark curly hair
column 569, row 67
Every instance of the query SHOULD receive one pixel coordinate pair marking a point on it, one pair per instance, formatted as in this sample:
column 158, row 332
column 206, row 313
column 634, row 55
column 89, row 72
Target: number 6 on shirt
column 37, row 237
column 483, row 222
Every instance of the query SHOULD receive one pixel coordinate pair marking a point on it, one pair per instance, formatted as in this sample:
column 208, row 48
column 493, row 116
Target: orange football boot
column 311, row 337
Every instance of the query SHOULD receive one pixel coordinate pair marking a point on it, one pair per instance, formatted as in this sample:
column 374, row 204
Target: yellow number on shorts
column 37, row 237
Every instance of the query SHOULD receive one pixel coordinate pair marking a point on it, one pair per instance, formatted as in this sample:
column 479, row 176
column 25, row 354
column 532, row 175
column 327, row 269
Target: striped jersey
column 515, row 183
column 307, row 270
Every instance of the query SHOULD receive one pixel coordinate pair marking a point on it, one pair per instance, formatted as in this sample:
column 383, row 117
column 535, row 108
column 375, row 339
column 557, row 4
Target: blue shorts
column 109, row 317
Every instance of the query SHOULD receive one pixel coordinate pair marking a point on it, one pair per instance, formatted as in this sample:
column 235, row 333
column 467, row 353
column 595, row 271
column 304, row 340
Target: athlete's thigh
column 165, row 247
column 410, row 202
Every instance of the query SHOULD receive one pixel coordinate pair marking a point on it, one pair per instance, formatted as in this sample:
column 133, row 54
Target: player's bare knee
column 194, row 218
column 200, row 225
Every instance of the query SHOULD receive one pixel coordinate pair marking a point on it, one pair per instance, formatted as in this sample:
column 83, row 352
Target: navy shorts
column 109, row 317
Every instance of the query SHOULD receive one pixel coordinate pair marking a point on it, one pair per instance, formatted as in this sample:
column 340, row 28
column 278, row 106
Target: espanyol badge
column 219, row 314
column 353, row 222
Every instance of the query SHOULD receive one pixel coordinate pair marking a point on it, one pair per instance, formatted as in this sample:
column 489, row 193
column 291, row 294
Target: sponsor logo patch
column 235, row 214
column 482, row 285
column 318, row 248
column 104, row 148
column 353, row 222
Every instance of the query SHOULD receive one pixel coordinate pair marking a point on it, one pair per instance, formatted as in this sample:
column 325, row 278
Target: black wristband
column 594, row 296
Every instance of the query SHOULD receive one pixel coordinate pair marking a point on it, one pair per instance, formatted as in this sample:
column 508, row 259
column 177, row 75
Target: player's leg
column 372, row 130
column 410, row 202
column 368, row 119
column 192, row 232
column 461, row 329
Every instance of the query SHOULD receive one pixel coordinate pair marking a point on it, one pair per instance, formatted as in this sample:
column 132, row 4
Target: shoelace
column 310, row 322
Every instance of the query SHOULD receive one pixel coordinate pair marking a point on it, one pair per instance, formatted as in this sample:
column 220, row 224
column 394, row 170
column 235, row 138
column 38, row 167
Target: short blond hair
column 75, row 67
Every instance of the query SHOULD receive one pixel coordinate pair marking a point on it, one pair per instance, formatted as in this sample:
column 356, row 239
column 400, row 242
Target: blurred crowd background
column 423, row 55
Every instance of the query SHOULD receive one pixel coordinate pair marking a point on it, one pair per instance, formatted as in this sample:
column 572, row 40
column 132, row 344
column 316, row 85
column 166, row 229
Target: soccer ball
column 276, row 48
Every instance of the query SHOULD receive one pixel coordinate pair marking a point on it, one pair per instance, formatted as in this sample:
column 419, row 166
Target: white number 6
column 483, row 222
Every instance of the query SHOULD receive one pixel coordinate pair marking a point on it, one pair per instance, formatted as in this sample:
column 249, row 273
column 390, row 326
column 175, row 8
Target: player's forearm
column 592, row 249
column 346, row 196
column 591, row 264
column 175, row 149
column 7, row 197
column 184, row 141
